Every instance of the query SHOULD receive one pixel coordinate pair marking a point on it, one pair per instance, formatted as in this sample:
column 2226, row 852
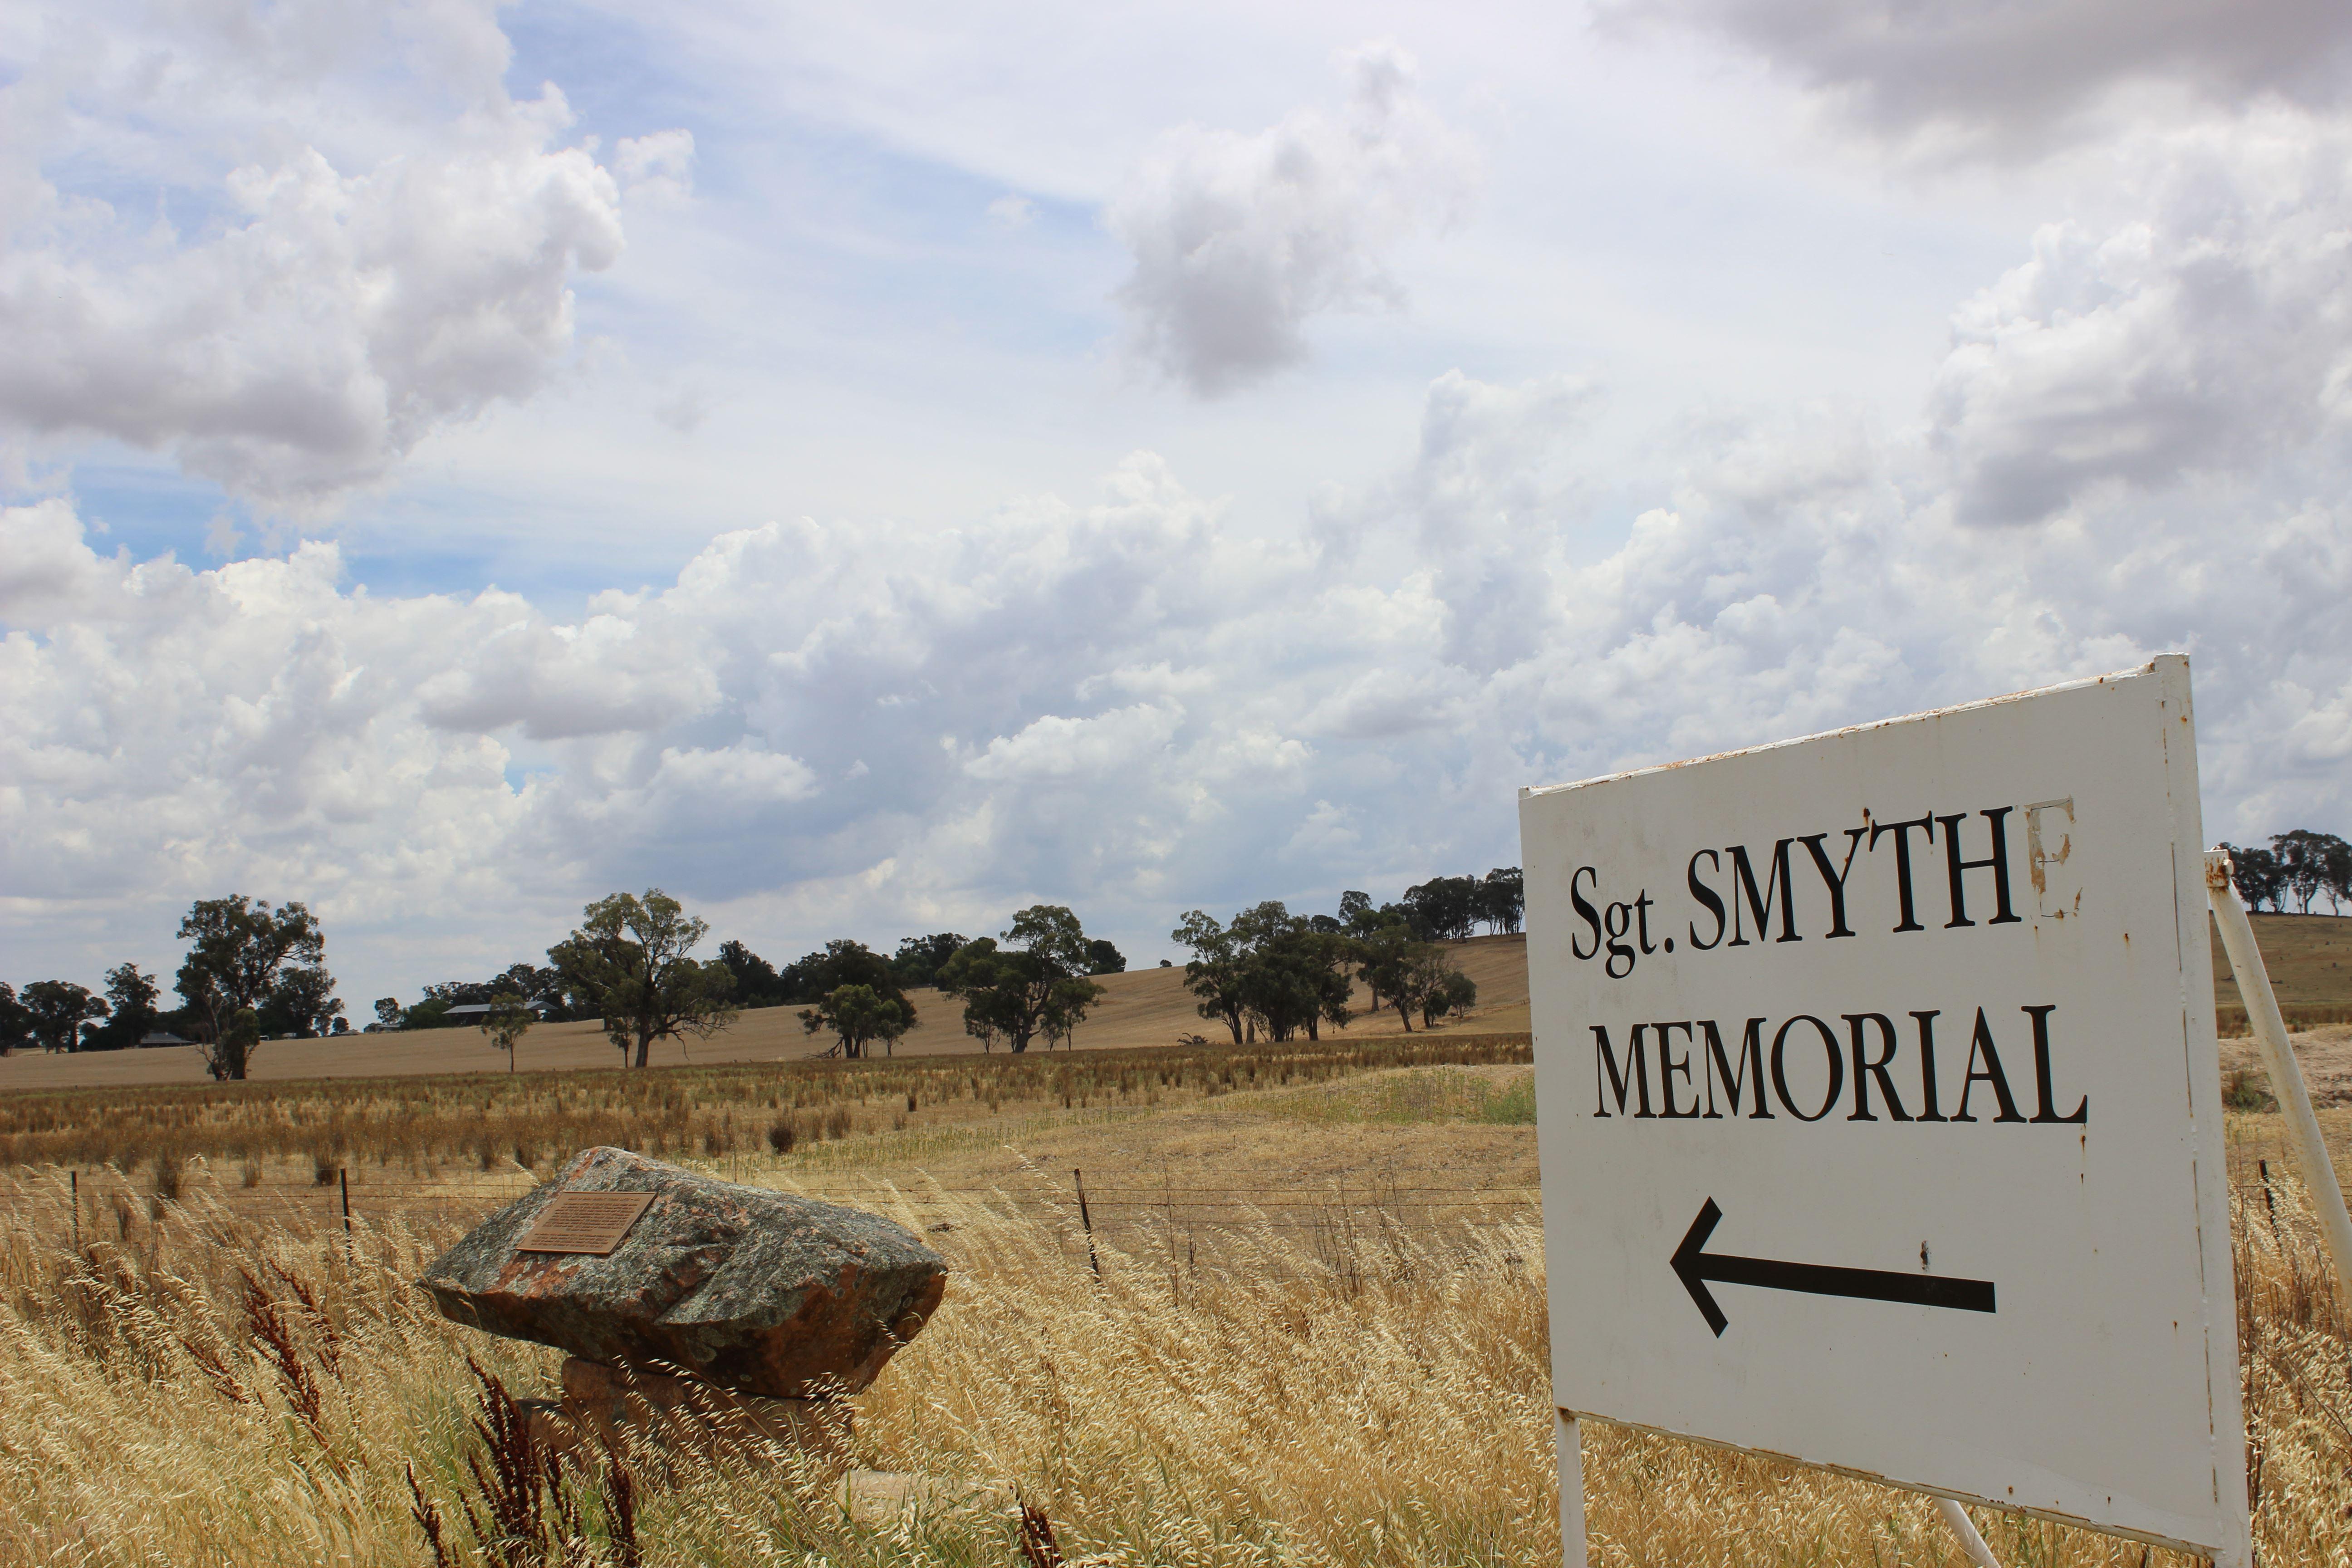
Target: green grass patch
column 1420, row 1095
column 1514, row 1106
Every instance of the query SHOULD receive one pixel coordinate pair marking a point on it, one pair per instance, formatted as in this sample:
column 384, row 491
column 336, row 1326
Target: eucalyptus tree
column 1281, row 973
column 631, row 962
column 504, row 1025
column 1030, row 980
column 57, row 1010
column 242, row 952
column 858, row 1016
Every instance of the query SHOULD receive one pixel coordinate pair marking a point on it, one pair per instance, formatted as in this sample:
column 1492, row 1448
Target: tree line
column 1447, row 909
column 255, row 971
column 251, row 970
column 2301, row 865
column 1272, row 975
column 630, row 962
column 630, row 965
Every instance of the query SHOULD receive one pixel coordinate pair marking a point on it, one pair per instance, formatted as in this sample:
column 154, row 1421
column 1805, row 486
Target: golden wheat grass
column 210, row 1382
column 1286, row 1406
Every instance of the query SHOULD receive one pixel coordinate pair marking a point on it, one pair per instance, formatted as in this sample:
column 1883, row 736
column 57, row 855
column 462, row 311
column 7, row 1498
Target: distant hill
column 1143, row 1007
column 2309, row 958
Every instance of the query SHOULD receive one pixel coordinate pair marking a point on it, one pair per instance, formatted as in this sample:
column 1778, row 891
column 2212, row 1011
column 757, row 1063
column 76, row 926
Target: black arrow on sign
column 1696, row 1265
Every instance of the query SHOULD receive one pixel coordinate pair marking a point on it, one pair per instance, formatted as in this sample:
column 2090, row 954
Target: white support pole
column 1570, row 1445
column 2311, row 1163
column 1972, row 1545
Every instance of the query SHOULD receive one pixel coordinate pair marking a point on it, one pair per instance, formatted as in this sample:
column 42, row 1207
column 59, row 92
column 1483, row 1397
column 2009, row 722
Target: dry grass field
column 1317, row 1336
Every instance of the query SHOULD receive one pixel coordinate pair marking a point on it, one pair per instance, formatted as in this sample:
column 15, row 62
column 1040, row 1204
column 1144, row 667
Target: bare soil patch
column 2324, row 1053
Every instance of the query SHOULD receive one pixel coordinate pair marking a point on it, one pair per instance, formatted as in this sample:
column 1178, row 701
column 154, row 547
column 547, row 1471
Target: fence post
column 74, row 1179
column 343, row 1179
column 1078, row 1177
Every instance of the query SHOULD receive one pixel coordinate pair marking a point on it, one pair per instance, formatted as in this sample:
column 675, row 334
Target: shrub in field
column 2247, row 1091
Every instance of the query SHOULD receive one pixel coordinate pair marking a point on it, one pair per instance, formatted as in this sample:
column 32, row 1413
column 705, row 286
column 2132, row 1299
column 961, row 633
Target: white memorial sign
column 1880, row 1112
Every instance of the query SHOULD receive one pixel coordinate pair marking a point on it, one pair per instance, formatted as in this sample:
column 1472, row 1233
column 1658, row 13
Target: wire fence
column 1112, row 1205
column 362, row 1193
column 1348, row 1232
column 1165, row 1226
column 1344, row 1244
column 2231, row 1022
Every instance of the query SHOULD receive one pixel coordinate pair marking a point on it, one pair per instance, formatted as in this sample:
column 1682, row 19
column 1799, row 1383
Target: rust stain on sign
column 590, row 1223
column 2039, row 857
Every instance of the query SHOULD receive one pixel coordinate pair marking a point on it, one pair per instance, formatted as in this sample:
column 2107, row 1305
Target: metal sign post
column 2311, row 1161
column 1879, row 1110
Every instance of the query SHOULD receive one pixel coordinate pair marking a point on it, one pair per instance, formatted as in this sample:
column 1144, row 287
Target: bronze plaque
column 584, row 1222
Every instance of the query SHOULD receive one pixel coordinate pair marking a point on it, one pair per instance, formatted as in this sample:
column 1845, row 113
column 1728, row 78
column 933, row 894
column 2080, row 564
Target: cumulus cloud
column 324, row 279
column 1123, row 743
column 273, row 723
column 1492, row 492
column 656, row 168
column 305, row 349
column 2212, row 332
column 1133, row 703
column 2008, row 73
column 1126, row 705
column 598, row 676
column 1237, row 240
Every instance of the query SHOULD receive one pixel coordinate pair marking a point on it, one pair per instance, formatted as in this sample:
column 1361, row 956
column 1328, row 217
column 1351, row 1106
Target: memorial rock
column 759, row 1292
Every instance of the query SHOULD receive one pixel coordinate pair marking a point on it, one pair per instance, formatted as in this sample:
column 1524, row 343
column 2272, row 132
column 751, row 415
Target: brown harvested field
column 397, row 1136
column 2309, row 960
column 1144, row 1008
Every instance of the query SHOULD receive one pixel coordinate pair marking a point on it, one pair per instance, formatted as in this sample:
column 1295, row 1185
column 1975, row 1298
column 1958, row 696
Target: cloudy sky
column 867, row 469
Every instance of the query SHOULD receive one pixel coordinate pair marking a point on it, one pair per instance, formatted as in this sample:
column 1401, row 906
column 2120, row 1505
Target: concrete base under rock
column 651, row 1417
